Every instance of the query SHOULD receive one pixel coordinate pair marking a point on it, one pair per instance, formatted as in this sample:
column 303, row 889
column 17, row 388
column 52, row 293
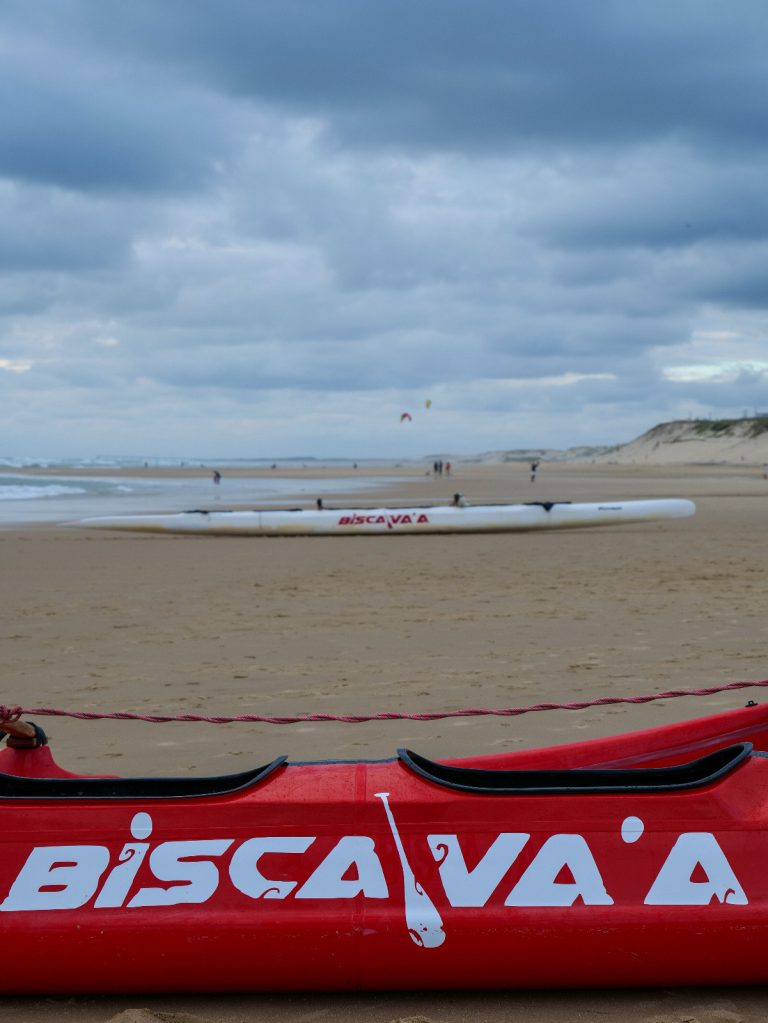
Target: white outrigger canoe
column 458, row 517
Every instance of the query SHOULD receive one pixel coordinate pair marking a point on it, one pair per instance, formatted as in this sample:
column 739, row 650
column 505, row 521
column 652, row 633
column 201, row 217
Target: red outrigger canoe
column 633, row 860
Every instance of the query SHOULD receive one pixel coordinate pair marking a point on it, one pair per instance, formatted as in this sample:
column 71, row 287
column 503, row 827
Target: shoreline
column 162, row 491
column 403, row 467
column 121, row 491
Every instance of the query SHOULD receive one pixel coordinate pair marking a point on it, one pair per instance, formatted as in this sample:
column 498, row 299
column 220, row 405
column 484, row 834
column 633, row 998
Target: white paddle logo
column 422, row 919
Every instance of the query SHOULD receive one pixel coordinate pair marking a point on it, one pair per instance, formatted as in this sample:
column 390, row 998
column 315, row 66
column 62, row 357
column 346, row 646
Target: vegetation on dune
column 719, row 427
column 716, row 426
column 758, row 426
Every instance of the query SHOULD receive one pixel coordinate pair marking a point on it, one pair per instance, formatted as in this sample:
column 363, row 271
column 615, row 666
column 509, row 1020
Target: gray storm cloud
column 292, row 221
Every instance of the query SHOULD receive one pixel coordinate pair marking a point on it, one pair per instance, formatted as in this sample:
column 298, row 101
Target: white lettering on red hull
column 562, row 872
column 465, row 887
column 696, row 872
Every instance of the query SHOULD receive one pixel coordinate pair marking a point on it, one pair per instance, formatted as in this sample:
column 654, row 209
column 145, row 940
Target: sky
column 254, row 229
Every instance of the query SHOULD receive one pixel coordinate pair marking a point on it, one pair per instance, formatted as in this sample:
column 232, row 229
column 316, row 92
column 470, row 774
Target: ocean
column 52, row 498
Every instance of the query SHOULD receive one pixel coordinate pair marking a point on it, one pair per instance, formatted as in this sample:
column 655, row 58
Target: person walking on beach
column 216, row 477
column 534, row 470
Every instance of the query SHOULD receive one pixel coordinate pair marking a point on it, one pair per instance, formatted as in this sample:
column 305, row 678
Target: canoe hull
column 393, row 521
column 372, row 876
column 161, row 961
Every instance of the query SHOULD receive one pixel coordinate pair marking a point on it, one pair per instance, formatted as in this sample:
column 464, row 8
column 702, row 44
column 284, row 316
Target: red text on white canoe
column 389, row 519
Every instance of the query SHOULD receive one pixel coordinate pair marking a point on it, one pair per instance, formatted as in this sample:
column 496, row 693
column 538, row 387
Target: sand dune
column 707, row 442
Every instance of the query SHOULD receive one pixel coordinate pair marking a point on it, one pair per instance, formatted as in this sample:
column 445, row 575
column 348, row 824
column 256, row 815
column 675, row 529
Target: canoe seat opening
column 16, row 787
column 546, row 505
column 694, row 774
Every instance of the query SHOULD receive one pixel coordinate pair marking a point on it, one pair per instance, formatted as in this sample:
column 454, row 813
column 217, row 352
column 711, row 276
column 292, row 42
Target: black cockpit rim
column 17, row 787
column 580, row 780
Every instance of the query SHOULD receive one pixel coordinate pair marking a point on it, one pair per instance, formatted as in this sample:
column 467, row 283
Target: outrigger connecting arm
column 21, row 734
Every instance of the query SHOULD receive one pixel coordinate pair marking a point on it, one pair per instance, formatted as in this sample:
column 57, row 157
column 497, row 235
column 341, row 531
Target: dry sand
column 102, row 622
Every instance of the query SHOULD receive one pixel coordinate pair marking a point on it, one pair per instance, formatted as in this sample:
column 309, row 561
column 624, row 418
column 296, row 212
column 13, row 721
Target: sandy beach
column 94, row 621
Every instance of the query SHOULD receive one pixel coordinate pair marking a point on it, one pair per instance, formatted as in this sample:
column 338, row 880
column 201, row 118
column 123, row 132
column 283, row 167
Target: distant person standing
column 534, row 470
column 216, row 477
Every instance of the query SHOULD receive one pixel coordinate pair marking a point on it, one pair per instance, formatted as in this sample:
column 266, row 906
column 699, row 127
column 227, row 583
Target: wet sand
column 153, row 624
